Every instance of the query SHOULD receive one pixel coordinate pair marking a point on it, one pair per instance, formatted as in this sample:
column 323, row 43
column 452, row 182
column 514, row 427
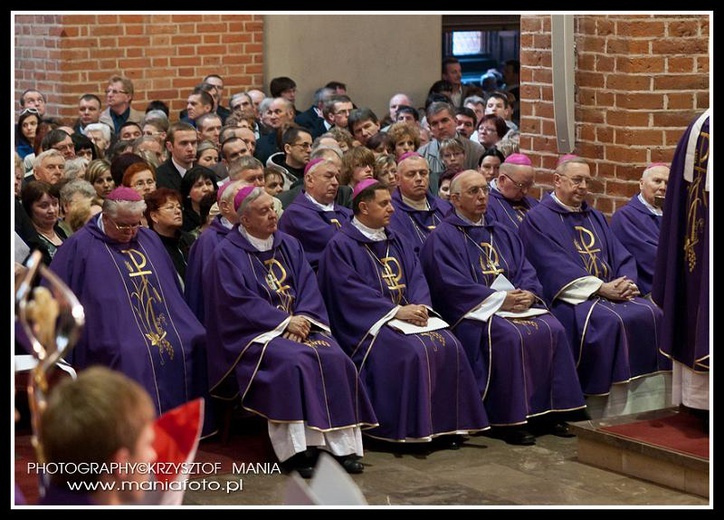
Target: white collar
column 258, row 243
column 376, row 235
column 569, row 208
column 420, row 205
column 652, row 209
column 480, row 222
column 323, row 207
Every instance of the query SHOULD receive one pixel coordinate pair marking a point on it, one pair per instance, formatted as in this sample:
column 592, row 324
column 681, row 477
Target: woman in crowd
column 197, row 182
column 207, row 154
column 41, row 201
column 25, row 131
column 99, row 175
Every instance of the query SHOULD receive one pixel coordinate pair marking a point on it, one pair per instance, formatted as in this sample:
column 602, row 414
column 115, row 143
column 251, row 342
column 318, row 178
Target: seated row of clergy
column 607, row 349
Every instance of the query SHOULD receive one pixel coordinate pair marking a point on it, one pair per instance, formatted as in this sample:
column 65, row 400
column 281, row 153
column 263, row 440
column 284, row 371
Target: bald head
column 653, row 184
column 469, row 194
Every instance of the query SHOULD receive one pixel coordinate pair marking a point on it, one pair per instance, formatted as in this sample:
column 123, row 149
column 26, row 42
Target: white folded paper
column 433, row 323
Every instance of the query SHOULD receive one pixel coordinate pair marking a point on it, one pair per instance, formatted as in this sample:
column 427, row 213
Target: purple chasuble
column 638, row 230
column 312, row 226
column 199, row 257
column 420, row 385
column 612, row 342
column 415, row 225
column 524, row 366
column 137, row 321
column 508, row 212
column 248, row 295
column 681, row 279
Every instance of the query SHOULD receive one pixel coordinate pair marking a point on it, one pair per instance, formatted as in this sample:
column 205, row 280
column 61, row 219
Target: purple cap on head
column 312, row 164
column 222, row 189
column 566, row 158
column 124, row 193
column 407, row 155
column 518, row 159
column 361, row 185
column 655, row 164
column 241, row 195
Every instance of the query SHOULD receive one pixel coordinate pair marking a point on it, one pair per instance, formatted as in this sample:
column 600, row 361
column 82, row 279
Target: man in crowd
column 119, row 95
column 181, row 143
column 89, row 111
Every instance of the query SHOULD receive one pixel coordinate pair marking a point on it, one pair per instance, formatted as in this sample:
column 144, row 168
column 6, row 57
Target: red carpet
column 680, row 432
column 248, row 443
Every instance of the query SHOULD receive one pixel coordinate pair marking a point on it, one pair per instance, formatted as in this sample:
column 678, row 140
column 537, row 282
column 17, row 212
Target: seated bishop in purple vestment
column 137, row 321
column 313, row 217
column 637, row 223
column 420, row 383
column 509, row 200
column 417, row 212
column 682, row 278
column 518, row 350
column 270, row 342
column 589, row 280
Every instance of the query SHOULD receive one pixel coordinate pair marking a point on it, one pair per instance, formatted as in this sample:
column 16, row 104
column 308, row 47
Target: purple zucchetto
column 361, row 185
column 241, row 195
column 518, row 159
column 125, row 193
column 312, row 164
column 407, row 155
column 566, row 158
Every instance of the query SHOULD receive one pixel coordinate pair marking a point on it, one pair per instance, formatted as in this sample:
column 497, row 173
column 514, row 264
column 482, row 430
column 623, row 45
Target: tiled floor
column 484, row 473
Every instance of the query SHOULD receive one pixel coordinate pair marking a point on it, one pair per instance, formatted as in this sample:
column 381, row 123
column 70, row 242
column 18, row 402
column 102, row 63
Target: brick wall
column 165, row 55
column 640, row 80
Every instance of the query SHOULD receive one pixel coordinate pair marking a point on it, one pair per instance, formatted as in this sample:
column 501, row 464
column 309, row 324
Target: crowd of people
column 342, row 275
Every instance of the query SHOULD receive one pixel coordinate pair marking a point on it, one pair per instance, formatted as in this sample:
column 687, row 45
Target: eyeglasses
column 141, row 184
column 521, row 186
column 577, row 181
column 30, row 110
column 114, row 91
column 125, row 227
column 305, row 146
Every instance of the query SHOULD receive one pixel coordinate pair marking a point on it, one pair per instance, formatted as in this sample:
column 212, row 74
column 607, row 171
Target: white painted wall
column 375, row 55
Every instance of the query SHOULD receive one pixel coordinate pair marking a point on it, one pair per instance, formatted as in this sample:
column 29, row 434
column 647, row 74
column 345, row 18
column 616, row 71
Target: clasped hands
column 412, row 313
column 517, row 300
column 620, row 289
column 297, row 329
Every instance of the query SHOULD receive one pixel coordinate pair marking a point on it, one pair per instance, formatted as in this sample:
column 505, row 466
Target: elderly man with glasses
column 509, row 200
column 590, row 282
column 137, row 321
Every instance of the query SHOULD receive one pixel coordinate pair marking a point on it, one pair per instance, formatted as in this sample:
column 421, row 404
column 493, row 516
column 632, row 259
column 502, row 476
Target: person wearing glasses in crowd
column 297, row 145
column 59, row 140
column 120, row 271
column 509, row 200
column 590, row 284
column 119, row 95
column 491, row 130
column 141, row 177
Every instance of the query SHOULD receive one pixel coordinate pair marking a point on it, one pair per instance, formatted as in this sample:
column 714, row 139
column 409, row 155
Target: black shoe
column 512, row 435
column 351, row 464
column 302, row 462
column 451, row 442
column 560, row 429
